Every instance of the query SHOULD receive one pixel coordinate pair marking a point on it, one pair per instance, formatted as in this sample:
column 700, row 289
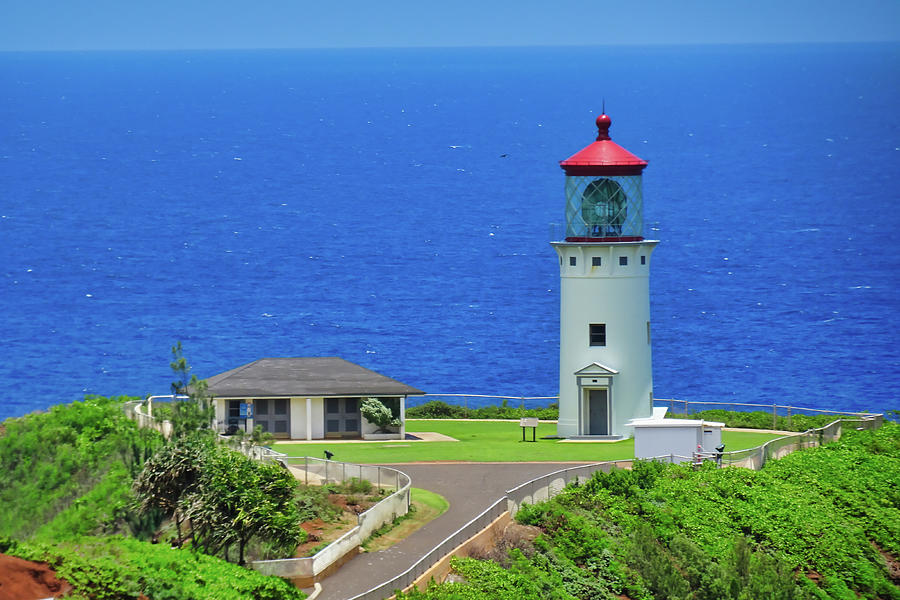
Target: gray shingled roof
column 316, row 376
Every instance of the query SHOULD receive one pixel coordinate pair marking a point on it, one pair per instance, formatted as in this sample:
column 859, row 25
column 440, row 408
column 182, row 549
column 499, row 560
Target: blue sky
column 178, row 24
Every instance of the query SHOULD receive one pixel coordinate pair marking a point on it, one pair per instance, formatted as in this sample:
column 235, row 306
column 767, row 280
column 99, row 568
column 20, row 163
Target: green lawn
column 483, row 441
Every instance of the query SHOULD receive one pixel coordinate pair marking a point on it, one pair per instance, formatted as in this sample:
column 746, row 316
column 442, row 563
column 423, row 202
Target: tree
column 378, row 414
column 239, row 499
column 257, row 437
column 168, row 477
column 197, row 412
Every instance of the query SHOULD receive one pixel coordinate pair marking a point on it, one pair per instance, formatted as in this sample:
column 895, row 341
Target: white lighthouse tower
column 605, row 374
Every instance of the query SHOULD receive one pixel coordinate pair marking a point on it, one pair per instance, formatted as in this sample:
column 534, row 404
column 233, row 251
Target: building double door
column 342, row 417
column 273, row 415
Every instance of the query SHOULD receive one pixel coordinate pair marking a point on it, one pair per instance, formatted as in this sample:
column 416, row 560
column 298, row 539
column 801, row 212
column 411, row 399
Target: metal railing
column 535, row 490
column 457, row 538
column 317, row 471
column 756, row 458
column 484, row 400
column 676, row 407
column 687, row 407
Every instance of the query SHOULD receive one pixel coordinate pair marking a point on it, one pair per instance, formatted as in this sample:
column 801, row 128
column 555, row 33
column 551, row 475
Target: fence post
column 306, row 468
column 774, row 416
column 685, row 407
column 789, row 417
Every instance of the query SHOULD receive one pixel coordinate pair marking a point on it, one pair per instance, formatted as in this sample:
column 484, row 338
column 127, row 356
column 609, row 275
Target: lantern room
column 604, row 200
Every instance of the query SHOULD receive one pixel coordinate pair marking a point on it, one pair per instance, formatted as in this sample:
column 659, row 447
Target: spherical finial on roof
column 603, row 123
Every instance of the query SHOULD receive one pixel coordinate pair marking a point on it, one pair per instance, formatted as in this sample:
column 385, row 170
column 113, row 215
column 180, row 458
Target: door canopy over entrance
column 595, row 382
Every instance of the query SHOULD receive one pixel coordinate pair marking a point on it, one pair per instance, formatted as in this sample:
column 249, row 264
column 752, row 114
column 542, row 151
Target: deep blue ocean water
column 393, row 207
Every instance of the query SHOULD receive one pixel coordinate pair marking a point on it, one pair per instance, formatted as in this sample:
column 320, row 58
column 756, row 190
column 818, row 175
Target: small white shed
column 658, row 436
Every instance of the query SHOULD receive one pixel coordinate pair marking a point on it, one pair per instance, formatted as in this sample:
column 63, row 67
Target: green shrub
column 53, row 460
column 116, row 568
column 312, row 503
column 437, row 409
column 359, row 486
column 376, row 412
column 759, row 419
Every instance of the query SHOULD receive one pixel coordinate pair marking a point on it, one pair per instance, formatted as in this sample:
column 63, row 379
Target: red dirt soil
column 26, row 580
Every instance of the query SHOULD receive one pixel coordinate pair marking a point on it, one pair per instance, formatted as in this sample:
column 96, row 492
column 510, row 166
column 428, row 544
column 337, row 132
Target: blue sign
column 246, row 410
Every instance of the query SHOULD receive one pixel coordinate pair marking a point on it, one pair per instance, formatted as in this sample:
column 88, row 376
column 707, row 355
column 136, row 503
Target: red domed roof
column 603, row 157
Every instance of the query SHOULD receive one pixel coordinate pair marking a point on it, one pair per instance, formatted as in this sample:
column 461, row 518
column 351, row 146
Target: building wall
column 298, row 429
column 659, row 441
column 678, row 439
column 619, row 297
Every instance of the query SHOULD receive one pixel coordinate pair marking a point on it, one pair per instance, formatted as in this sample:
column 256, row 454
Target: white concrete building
column 681, row 439
column 305, row 398
column 605, row 374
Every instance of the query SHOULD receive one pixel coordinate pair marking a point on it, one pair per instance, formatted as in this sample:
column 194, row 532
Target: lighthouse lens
column 603, row 207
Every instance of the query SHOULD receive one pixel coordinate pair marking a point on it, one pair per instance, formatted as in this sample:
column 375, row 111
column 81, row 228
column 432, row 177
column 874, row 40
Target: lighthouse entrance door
column 598, row 412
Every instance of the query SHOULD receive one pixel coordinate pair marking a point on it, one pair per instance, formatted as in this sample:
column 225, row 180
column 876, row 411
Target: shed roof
column 674, row 423
column 311, row 376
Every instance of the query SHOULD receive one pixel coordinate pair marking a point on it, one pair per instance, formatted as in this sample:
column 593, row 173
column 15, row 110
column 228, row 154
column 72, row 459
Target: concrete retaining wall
column 305, row 571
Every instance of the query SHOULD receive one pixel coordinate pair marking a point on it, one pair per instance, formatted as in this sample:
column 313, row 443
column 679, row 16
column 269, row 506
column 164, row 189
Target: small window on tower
column 643, row 260
column 648, row 332
column 623, row 261
column 572, row 261
column 596, row 261
column 598, row 334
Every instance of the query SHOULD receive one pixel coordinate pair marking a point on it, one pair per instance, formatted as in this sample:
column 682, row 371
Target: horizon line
column 458, row 47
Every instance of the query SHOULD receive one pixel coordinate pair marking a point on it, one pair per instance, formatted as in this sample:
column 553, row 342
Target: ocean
column 394, row 208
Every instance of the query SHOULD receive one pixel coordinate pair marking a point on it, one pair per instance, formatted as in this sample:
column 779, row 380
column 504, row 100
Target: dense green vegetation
column 68, row 471
column 228, row 498
column 117, row 568
column 69, row 474
column 759, row 419
column 437, row 409
column 821, row 523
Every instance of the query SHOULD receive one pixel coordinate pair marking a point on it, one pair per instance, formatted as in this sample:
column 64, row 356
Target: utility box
column 680, row 438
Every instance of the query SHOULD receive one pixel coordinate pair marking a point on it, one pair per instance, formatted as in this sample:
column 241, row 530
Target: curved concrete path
column 470, row 488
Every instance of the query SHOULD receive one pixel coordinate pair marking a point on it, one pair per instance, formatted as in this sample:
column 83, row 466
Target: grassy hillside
column 66, row 498
column 68, row 471
column 821, row 524
column 117, row 568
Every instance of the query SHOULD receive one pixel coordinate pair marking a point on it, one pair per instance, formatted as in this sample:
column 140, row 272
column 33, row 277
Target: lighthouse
column 605, row 373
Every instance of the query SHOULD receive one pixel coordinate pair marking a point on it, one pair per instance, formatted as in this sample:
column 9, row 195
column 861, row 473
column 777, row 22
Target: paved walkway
column 470, row 488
